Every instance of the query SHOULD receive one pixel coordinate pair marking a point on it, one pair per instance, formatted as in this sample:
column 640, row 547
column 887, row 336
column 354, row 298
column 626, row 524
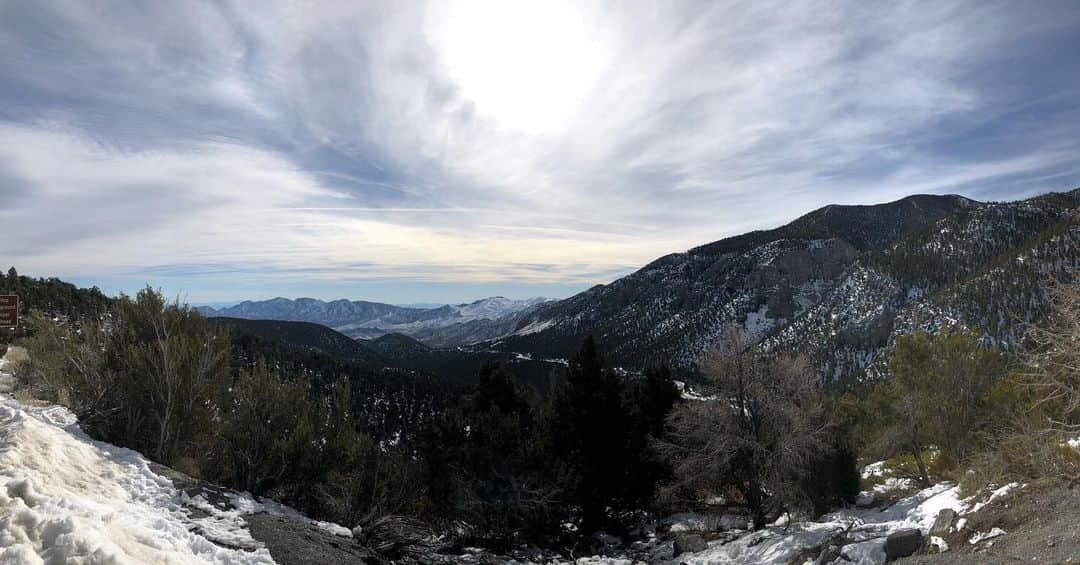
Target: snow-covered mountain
column 451, row 324
column 838, row 283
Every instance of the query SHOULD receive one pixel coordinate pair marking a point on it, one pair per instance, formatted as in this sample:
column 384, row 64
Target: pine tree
column 594, row 434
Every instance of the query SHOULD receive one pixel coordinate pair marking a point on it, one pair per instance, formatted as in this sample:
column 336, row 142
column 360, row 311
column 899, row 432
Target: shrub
column 63, row 363
column 171, row 372
column 944, row 390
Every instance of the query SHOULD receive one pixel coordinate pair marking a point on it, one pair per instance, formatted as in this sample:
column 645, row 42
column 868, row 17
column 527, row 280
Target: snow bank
column 65, row 498
column 7, row 380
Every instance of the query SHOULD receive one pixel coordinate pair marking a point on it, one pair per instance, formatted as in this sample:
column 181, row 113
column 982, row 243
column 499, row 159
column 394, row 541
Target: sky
column 407, row 151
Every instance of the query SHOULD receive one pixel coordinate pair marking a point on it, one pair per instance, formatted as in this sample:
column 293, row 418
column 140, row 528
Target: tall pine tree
column 593, row 426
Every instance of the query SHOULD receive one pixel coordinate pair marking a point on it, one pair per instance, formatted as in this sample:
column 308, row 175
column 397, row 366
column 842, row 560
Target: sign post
column 9, row 310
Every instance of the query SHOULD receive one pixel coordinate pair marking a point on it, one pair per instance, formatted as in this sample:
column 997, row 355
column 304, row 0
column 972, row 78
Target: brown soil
column 1042, row 525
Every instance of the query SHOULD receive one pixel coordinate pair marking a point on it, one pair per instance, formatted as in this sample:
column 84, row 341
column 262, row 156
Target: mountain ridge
column 767, row 281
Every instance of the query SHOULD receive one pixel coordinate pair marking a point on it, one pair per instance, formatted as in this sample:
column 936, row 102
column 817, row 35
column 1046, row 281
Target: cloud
column 524, row 142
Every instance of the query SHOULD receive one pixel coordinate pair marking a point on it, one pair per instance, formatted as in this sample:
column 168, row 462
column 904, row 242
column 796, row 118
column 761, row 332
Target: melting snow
column 994, row 496
column 868, row 527
column 66, row 498
column 983, row 536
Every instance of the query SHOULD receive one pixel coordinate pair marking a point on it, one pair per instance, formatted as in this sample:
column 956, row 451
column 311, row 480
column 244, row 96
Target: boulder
column 660, row 552
column 869, row 552
column 903, row 543
column 828, row 555
column 943, row 523
column 688, row 543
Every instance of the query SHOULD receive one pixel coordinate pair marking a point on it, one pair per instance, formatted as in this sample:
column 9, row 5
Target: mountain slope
column 306, row 335
column 837, row 283
column 982, row 268
column 448, row 325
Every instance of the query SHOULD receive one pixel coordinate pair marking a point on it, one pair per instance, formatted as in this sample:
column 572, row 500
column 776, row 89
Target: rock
column 903, row 543
column 828, row 555
column 607, row 540
column 869, row 552
column 938, row 545
column 529, row 553
column 943, row 523
column 643, row 531
column 292, row 542
column 664, row 551
column 732, row 522
column 689, row 543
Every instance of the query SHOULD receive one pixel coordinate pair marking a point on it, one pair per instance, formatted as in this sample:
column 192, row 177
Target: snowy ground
column 66, row 498
column 867, row 527
column 861, row 531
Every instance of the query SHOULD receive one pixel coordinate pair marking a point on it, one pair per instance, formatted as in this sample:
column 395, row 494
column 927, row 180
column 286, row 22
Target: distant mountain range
column 839, row 284
column 448, row 325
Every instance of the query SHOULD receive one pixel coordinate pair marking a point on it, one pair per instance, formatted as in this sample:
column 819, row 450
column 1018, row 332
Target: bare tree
column 760, row 435
column 1054, row 360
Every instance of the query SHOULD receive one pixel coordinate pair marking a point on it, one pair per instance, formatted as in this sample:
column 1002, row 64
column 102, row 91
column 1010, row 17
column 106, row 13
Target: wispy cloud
column 487, row 143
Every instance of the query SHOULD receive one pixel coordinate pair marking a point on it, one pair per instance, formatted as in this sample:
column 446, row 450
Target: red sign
column 9, row 310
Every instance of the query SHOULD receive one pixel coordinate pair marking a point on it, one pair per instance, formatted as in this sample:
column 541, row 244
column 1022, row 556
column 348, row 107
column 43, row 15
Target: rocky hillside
column 837, row 283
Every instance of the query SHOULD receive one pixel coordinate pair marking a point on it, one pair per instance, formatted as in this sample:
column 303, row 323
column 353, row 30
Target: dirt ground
column 1042, row 525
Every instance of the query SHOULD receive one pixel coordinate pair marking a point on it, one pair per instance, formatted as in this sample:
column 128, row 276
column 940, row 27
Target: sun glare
column 527, row 65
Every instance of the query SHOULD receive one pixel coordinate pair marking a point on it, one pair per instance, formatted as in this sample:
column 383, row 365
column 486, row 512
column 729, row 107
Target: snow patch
column 1000, row 492
column 983, row 536
column 688, row 393
column 536, row 327
column 66, row 498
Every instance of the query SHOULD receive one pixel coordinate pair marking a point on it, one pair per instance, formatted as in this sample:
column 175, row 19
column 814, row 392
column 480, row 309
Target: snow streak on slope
column 65, row 498
column 493, row 308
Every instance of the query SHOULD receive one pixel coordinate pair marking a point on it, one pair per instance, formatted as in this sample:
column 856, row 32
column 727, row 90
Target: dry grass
column 1029, row 456
column 16, row 354
column 26, row 398
column 188, row 466
column 940, row 465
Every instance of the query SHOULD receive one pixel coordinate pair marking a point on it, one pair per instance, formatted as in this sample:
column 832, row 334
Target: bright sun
column 527, row 65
